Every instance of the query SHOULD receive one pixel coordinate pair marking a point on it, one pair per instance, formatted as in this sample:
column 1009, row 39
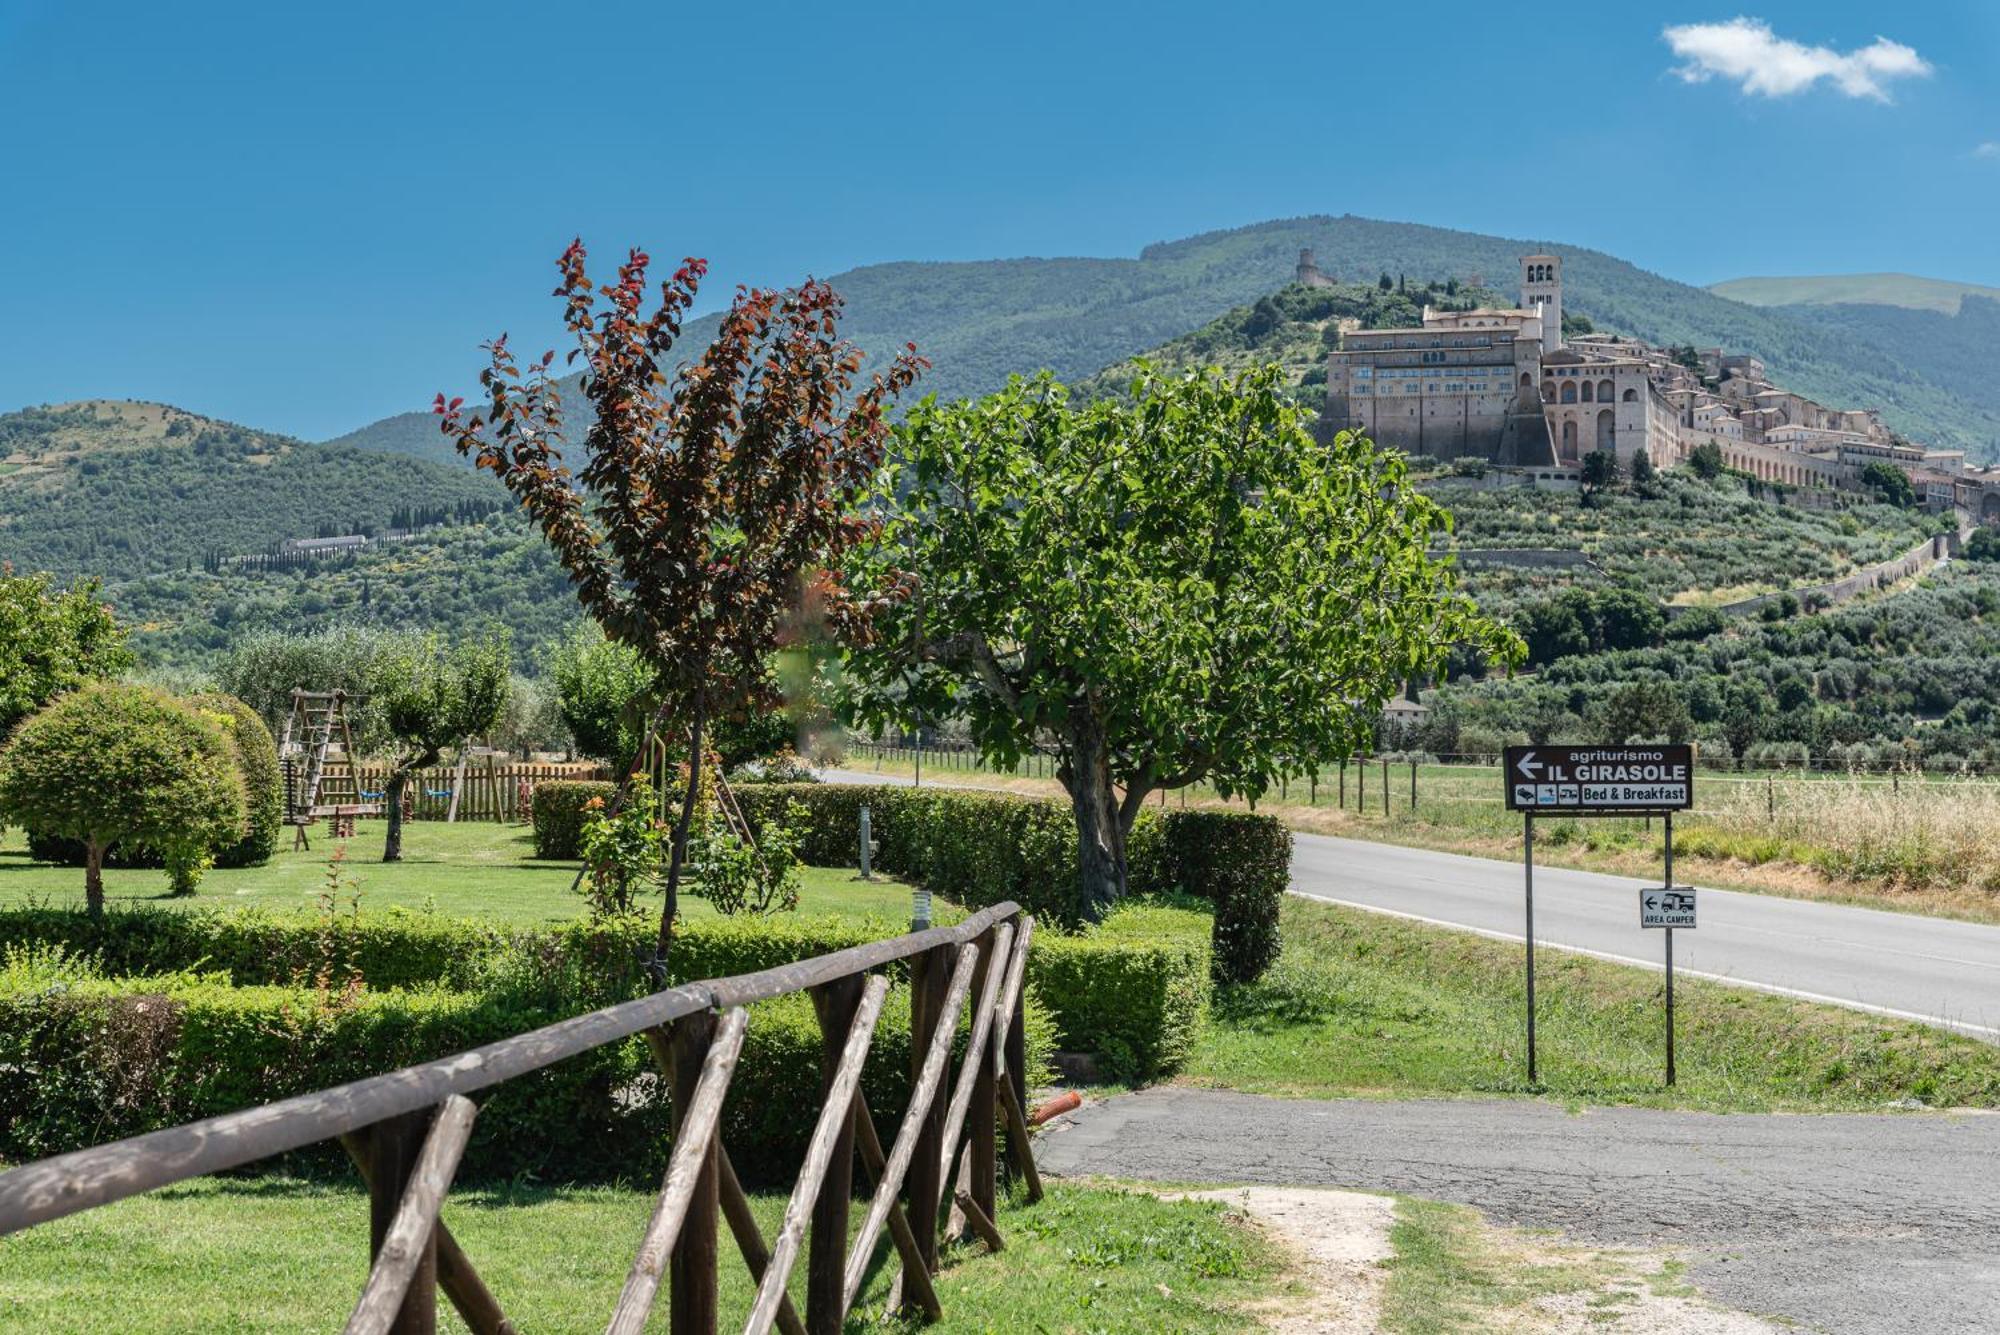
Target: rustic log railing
column 406, row 1130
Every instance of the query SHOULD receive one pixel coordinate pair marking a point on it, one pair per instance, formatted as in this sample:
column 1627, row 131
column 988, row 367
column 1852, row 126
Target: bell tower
column 1542, row 287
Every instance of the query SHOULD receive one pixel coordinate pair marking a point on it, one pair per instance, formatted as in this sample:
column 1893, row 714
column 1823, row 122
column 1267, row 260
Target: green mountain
column 124, row 489
column 1867, row 289
column 979, row 321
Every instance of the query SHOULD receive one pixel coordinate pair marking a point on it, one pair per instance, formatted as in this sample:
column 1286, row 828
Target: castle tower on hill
column 1308, row 274
column 1542, row 288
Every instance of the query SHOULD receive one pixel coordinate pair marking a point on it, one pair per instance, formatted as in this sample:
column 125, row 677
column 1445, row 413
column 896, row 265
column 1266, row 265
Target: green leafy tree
column 1890, row 483
column 717, row 498
column 52, row 640
column 1642, row 469
column 264, row 668
column 1178, row 586
column 1600, row 474
column 107, row 763
column 1706, row 460
column 1983, row 545
column 432, row 699
column 605, row 692
column 1643, row 710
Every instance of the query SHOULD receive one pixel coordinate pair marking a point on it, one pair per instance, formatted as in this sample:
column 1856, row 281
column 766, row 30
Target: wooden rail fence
column 406, row 1130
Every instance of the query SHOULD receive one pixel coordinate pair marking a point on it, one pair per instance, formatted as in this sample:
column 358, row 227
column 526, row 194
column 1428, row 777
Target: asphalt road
column 1843, row 1223
column 1931, row 969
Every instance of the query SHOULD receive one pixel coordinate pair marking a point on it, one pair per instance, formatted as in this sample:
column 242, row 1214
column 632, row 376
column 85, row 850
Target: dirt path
column 1843, row 1224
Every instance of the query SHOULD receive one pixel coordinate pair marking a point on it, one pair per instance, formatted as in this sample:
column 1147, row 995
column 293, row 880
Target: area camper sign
column 1599, row 780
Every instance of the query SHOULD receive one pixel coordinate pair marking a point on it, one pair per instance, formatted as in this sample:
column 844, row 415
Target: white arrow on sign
column 1529, row 766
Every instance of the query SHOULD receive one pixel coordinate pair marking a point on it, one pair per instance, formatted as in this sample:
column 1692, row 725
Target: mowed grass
column 473, row 869
column 1363, row 1004
column 259, row 1254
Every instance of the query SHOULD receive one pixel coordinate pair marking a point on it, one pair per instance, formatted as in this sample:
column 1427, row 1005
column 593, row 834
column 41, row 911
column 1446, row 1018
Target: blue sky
column 304, row 217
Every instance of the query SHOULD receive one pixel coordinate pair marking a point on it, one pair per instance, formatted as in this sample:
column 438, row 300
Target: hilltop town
column 1506, row 385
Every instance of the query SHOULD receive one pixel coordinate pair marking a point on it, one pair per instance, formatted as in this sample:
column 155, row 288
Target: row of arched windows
column 1602, row 391
column 1541, row 273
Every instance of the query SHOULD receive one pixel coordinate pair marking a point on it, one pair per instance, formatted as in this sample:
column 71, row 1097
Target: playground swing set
column 316, row 753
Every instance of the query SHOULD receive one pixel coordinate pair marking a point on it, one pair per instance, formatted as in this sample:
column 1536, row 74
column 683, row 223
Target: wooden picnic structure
column 406, row 1130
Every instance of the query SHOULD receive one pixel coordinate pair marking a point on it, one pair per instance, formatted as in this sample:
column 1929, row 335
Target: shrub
column 85, row 1060
column 109, row 763
column 979, row 849
column 1137, row 1001
column 263, row 781
column 256, row 756
column 1242, row 865
column 624, row 851
column 558, row 808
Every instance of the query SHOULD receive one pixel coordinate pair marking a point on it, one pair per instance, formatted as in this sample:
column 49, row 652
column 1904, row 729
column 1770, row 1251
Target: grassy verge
column 1363, row 1004
column 471, row 869
column 278, row 1254
column 1452, row 1273
column 1908, row 844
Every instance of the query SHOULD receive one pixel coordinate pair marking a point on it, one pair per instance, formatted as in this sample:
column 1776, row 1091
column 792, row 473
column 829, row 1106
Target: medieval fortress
column 1504, row 385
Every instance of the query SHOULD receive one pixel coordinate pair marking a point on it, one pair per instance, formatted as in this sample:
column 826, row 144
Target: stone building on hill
column 1505, row 386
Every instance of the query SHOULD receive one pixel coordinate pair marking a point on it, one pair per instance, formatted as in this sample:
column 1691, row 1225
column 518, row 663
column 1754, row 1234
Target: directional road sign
column 1660, row 907
column 1599, row 780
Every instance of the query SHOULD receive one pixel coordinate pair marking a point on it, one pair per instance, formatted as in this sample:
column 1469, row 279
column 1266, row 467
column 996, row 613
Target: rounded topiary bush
column 263, row 781
column 256, row 756
column 110, row 763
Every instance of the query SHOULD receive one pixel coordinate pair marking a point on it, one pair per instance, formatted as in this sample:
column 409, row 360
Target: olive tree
column 108, row 763
column 431, row 698
column 1182, row 586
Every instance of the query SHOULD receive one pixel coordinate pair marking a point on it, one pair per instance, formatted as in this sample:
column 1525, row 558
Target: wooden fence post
column 693, row 1275
column 826, row 1257
column 393, row 1147
column 984, row 1117
column 930, row 980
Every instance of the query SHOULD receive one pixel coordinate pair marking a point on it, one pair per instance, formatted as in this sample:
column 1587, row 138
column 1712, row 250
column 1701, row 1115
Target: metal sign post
column 1603, row 781
column 1528, row 880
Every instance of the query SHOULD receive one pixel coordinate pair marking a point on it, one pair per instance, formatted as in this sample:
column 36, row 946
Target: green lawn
column 1363, row 1004
column 470, row 869
column 256, row 1254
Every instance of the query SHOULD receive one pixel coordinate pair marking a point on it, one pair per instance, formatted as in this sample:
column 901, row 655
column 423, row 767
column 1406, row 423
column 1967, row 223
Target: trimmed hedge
column 83, row 1062
column 978, row 849
column 558, row 814
column 1241, row 864
column 1132, row 990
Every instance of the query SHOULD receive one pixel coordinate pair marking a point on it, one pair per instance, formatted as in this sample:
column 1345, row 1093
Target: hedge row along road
column 1905, row 965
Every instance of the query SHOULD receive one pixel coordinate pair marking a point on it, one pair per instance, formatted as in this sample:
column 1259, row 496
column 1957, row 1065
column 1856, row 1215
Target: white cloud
column 1990, row 149
column 1746, row 52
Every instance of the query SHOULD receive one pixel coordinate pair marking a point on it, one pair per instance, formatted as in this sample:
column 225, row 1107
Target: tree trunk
column 1100, row 832
column 677, row 852
column 93, row 877
column 392, row 793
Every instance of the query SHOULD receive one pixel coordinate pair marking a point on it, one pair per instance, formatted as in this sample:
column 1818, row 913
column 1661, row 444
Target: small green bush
column 263, row 781
column 1135, row 995
column 558, row 807
column 1242, row 865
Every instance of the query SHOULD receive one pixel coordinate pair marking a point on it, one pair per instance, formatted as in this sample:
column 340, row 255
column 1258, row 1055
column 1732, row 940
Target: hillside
column 1870, row 289
column 979, row 321
column 123, row 489
column 457, row 580
column 1959, row 351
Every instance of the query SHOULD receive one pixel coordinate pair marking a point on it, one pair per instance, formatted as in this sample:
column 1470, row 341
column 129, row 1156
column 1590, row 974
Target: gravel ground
column 1857, row 1224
